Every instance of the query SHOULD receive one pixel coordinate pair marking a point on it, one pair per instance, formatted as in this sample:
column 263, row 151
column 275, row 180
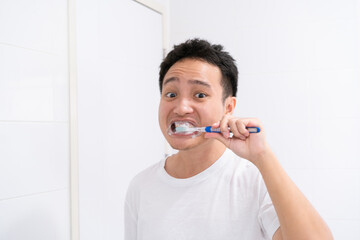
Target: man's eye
column 171, row 95
column 200, row 95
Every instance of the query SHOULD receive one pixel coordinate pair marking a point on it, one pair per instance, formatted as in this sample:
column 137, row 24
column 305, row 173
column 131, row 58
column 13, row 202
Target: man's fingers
column 241, row 126
column 216, row 125
column 224, row 123
column 235, row 130
column 236, row 125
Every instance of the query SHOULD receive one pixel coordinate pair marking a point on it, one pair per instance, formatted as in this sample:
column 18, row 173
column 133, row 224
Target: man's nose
column 183, row 107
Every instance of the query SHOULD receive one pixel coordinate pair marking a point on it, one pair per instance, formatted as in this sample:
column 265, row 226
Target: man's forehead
column 194, row 67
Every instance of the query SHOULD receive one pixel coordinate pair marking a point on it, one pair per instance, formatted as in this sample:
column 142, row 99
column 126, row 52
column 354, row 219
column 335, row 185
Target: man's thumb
column 219, row 137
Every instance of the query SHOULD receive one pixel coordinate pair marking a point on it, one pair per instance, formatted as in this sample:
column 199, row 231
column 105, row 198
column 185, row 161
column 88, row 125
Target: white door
column 119, row 50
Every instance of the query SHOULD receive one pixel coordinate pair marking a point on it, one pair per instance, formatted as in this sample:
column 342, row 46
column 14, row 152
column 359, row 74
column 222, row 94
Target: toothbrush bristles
column 183, row 129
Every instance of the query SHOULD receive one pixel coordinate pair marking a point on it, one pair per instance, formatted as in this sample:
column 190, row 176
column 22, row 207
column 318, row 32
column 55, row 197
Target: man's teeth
column 181, row 125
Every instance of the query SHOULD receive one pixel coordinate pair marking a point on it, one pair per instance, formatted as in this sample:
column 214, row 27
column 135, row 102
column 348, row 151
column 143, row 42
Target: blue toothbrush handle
column 217, row 130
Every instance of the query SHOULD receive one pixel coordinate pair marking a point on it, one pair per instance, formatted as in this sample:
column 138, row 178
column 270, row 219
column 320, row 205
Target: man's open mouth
column 180, row 124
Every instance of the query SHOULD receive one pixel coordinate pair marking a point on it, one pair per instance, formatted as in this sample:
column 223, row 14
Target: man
column 226, row 185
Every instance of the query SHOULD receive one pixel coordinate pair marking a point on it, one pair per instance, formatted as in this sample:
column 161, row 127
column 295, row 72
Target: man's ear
column 230, row 103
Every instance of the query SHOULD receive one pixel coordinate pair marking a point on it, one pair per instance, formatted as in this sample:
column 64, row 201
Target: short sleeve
column 268, row 218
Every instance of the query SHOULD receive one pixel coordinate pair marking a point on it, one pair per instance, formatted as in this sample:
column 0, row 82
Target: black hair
column 210, row 53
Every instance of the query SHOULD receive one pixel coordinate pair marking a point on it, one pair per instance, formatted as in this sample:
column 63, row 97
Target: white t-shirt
column 226, row 201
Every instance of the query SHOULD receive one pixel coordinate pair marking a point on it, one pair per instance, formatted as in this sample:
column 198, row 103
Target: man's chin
column 180, row 147
column 184, row 144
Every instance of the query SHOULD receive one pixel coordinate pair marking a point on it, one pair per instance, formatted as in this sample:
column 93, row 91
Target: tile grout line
column 32, row 194
column 30, row 49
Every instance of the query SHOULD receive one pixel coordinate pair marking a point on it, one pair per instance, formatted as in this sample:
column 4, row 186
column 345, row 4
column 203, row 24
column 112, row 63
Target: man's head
column 198, row 86
column 210, row 53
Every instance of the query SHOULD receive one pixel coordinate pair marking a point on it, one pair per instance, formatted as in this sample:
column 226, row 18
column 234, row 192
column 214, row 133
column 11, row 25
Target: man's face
column 192, row 92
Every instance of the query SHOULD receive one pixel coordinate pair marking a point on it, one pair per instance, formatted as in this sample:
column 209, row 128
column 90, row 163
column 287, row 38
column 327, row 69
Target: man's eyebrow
column 192, row 81
column 199, row 82
column 170, row 80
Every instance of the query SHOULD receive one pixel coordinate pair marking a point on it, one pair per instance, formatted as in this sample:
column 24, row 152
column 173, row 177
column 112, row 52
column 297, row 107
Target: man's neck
column 188, row 163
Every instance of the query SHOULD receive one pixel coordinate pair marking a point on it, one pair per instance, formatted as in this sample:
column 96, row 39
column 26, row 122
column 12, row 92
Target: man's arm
column 277, row 235
column 298, row 219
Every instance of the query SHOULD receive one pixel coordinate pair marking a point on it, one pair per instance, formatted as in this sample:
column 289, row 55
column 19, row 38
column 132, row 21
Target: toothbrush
column 182, row 129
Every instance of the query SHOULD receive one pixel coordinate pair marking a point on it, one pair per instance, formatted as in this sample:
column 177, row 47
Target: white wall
column 119, row 52
column 299, row 73
column 34, row 144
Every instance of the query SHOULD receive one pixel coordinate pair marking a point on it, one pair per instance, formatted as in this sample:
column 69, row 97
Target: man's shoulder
column 146, row 175
column 242, row 170
column 241, row 164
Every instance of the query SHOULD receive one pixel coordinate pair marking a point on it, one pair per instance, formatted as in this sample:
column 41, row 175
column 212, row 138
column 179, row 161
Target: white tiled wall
column 34, row 138
column 33, row 85
column 119, row 51
column 39, row 25
column 300, row 74
column 41, row 216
